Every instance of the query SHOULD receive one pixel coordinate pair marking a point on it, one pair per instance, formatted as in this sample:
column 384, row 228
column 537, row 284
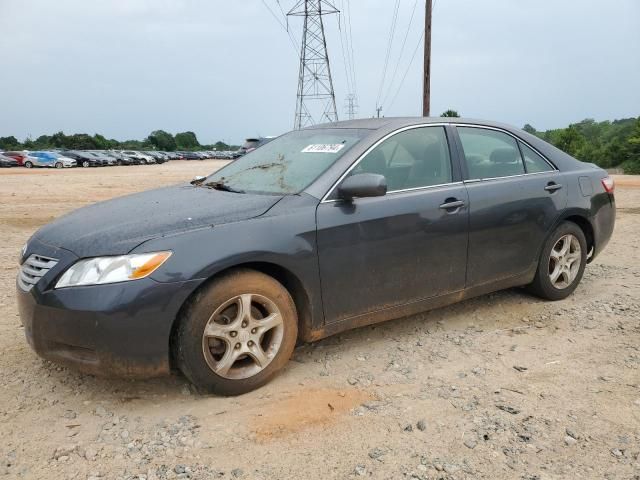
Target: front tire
column 85, row 164
column 236, row 333
column 59, row 165
column 561, row 264
column 28, row 164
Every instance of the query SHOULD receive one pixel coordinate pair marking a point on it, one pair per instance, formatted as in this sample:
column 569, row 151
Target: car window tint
column 415, row 158
column 489, row 153
column 534, row 162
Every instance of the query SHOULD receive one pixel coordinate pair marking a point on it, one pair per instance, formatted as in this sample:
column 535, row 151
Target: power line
column 281, row 9
column 275, row 17
column 344, row 56
column 389, row 45
column 404, row 42
column 350, row 47
column 407, row 70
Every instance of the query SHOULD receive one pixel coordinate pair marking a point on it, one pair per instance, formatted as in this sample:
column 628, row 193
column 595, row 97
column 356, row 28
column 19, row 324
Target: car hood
column 117, row 226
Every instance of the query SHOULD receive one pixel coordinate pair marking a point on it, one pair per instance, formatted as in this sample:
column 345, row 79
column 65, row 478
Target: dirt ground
column 502, row 386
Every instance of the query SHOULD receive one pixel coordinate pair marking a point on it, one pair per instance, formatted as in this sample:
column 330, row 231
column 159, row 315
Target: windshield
column 289, row 163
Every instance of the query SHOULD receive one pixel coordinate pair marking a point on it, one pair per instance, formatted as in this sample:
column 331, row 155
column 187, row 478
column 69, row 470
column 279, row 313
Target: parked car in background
column 333, row 227
column 83, row 158
column 48, row 159
column 106, row 160
column 131, row 158
column 159, row 157
column 119, row 157
column 19, row 156
column 139, row 156
column 191, row 156
column 7, row 161
column 251, row 144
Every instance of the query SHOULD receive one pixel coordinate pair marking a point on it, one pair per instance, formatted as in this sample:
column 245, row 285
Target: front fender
column 285, row 237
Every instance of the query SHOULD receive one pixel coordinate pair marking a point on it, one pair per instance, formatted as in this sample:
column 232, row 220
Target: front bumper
column 121, row 329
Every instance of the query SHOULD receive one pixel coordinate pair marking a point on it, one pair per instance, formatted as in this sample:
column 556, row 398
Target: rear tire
column 236, row 333
column 558, row 273
column 28, row 164
column 86, row 164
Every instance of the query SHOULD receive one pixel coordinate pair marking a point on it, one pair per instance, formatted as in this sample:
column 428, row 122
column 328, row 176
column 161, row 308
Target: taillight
column 608, row 184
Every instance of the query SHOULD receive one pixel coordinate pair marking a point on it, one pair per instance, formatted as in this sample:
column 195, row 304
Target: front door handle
column 552, row 187
column 453, row 203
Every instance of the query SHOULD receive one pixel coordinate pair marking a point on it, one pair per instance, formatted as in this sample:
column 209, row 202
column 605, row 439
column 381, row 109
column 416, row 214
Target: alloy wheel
column 243, row 336
column 564, row 261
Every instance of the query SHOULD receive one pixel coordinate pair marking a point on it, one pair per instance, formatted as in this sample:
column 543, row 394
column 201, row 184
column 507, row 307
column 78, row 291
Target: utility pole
column 426, row 87
column 316, row 98
column 378, row 110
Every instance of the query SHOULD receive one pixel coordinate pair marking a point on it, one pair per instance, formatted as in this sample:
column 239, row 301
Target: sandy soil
column 502, row 386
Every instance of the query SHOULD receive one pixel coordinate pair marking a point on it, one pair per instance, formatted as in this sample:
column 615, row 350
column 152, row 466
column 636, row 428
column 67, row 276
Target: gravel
column 502, row 386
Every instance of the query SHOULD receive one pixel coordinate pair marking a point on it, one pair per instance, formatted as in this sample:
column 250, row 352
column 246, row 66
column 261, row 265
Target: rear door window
column 490, row 153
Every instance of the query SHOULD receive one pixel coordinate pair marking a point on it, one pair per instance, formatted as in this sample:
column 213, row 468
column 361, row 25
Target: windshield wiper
column 220, row 185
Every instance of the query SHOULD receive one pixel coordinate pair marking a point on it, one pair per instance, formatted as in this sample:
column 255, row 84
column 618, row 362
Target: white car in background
column 143, row 158
column 48, row 159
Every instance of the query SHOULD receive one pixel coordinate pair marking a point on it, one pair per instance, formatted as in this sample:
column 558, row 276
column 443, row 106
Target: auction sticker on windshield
column 323, row 148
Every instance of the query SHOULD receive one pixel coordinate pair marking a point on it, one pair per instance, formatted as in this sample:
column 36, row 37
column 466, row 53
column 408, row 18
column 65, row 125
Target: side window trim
column 453, row 160
column 463, row 163
column 524, row 163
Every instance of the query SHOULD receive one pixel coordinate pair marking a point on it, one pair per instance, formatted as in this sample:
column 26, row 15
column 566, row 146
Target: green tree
column 632, row 164
column 187, row 140
column 221, row 146
column 450, row 113
column 529, row 129
column 162, row 140
column 570, row 140
column 8, row 143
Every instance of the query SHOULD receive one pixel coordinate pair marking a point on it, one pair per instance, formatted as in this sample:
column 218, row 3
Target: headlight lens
column 101, row 270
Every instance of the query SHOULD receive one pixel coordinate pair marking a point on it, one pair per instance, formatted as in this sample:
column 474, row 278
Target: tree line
column 608, row 144
column 157, row 140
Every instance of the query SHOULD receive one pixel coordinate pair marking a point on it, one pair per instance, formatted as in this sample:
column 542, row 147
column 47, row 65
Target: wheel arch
column 289, row 280
column 585, row 225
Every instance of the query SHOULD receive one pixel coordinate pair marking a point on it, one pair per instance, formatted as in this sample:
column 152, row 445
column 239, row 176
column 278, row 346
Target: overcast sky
column 227, row 70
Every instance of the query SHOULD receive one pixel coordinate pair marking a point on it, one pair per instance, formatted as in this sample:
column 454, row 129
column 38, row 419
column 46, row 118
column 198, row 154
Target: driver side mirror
column 362, row 185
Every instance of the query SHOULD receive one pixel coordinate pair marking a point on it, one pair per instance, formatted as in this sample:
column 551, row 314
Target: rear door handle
column 452, row 204
column 552, row 187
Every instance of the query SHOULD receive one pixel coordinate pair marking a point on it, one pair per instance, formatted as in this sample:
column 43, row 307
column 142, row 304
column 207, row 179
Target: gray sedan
column 316, row 232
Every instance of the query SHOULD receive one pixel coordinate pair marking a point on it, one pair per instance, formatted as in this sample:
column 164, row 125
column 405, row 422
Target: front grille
column 33, row 269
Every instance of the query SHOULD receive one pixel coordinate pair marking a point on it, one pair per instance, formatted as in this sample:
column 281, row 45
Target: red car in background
column 18, row 156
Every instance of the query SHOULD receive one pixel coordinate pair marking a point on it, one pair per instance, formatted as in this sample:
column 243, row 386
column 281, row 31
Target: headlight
column 23, row 252
column 101, row 270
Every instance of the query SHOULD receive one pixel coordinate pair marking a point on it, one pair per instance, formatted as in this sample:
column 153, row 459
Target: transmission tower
column 316, row 99
column 351, row 106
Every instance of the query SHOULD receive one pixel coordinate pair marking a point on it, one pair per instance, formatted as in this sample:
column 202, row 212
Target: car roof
column 399, row 122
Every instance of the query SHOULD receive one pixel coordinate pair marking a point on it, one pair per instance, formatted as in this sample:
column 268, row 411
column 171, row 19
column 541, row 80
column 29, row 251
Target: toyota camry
column 318, row 231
